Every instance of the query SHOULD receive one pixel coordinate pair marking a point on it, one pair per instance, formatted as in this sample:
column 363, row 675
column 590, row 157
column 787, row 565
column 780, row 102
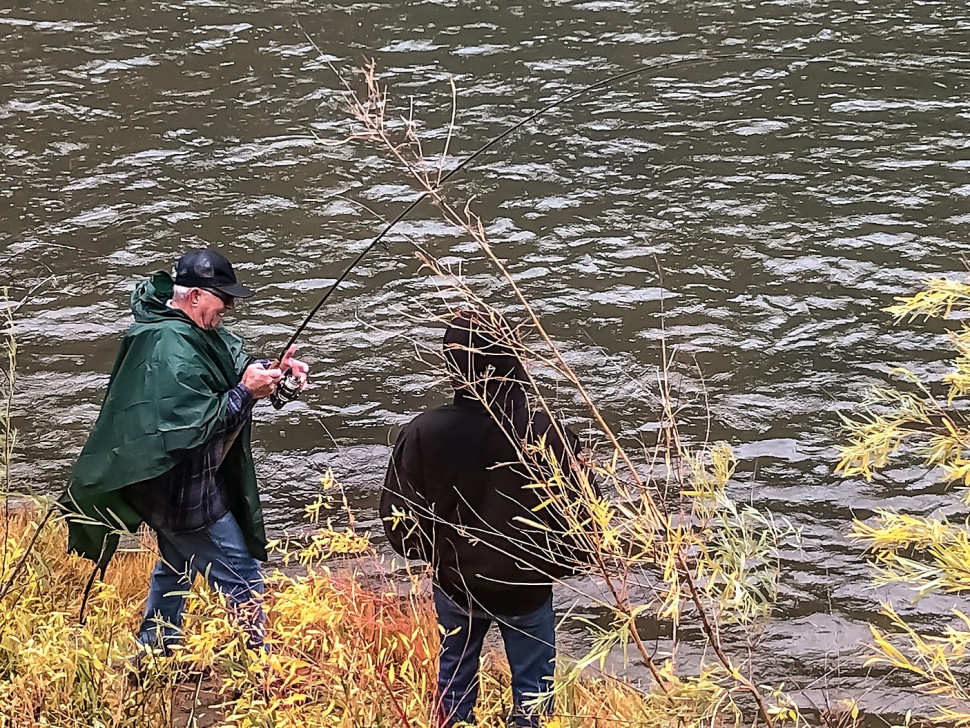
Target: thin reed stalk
column 622, row 540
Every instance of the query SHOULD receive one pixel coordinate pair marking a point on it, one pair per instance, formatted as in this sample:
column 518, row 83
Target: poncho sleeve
column 167, row 392
column 164, row 399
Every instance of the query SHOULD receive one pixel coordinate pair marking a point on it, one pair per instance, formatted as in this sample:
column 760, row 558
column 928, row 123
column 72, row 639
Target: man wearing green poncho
column 171, row 447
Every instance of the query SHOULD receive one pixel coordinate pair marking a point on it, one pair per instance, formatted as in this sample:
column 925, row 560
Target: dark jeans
column 530, row 645
column 219, row 553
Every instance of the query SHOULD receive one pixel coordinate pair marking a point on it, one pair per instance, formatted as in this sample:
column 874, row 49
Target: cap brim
column 236, row 290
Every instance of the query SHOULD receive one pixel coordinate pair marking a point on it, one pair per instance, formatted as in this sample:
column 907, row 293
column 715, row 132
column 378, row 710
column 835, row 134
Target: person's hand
column 261, row 381
column 299, row 368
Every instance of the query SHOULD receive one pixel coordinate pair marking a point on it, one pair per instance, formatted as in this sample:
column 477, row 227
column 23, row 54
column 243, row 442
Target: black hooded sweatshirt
column 457, row 473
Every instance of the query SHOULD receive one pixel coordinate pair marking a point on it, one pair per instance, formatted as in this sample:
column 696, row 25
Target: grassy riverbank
column 344, row 654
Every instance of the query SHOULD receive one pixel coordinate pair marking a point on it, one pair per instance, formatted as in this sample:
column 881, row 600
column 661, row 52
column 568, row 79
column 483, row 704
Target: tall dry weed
column 665, row 540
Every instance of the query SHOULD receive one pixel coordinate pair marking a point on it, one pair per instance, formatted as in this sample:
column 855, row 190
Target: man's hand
column 261, row 381
column 299, row 368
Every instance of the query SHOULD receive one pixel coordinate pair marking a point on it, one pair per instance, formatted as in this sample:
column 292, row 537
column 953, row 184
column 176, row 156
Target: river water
column 757, row 210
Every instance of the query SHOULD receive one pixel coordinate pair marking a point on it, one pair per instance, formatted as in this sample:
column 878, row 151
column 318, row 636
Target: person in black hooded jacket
column 457, row 494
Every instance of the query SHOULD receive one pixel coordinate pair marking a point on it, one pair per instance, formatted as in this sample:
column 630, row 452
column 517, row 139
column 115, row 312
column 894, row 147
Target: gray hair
column 180, row 293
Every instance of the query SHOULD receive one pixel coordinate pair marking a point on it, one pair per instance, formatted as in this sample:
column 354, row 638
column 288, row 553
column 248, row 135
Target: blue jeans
column 219, row 553
column 530, row 645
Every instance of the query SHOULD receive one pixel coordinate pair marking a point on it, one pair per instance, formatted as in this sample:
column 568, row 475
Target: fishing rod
column 289, row 386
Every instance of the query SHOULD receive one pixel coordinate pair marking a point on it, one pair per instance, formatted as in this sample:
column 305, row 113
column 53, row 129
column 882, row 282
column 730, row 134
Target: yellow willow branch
column 474, row 227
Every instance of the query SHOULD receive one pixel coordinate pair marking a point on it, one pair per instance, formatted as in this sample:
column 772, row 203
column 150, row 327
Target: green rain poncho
column 167, row 391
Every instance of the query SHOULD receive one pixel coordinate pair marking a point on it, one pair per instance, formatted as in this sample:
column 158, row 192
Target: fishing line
column 601, row 84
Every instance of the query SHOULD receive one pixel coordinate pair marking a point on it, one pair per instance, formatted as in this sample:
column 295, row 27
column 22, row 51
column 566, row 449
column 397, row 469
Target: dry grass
column 343, row 654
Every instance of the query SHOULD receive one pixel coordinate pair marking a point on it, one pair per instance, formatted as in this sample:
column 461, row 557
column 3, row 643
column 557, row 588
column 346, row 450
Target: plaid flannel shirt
column 192, row 495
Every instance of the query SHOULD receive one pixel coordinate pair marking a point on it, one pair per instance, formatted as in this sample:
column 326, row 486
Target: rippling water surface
column 757, row 209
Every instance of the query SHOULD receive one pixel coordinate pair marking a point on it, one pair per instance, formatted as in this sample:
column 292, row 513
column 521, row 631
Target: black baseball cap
column 208, row 269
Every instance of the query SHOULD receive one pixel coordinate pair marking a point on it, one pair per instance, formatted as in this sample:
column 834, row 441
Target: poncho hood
column 166, row 394
column 150, row 300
